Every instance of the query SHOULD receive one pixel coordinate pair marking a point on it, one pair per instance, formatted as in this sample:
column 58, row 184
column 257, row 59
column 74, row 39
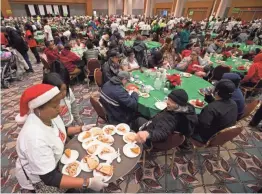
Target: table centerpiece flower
column 225, row 55
column 173, row 81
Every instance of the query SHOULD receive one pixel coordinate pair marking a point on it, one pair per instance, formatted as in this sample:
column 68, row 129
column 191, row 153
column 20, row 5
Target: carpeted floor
column 238, row 169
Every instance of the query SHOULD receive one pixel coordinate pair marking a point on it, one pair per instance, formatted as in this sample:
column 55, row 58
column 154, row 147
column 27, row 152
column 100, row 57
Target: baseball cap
column 123, row 75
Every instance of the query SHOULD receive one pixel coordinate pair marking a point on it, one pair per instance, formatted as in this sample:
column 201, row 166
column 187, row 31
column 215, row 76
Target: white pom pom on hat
column 35, row 97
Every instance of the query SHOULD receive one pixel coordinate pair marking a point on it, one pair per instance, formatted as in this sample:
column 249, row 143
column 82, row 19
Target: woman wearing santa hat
column 40, row 143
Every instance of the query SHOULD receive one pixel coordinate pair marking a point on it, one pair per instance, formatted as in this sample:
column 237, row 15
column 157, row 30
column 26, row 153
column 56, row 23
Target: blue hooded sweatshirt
column 237, row 95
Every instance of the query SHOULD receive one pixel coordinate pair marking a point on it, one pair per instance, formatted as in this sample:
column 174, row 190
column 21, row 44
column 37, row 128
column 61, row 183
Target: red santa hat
column 35, row 97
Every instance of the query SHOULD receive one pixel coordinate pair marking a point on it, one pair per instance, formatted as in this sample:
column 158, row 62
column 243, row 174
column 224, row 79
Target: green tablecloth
column 233, row 62
column 214, row 35
column 149, row 44
column 146, row 106
column 245, row 48
column 39, row 38
column 79, row 51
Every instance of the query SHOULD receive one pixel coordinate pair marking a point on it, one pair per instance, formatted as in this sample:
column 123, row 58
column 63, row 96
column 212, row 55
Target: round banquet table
column 120, row 169
column 146, row 106
column 40, row 38
column 234, row 63
column 243, row 47
column 149, row 44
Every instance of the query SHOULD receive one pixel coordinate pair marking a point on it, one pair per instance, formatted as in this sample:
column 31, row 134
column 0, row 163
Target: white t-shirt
column 47, row 30
column 114, row 27
column 67, row 34
column 66, row 111
column 39, row 148
column 122, row 29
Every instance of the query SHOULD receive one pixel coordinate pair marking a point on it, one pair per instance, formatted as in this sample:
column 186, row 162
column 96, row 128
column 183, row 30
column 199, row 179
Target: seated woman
column 91, row 53
column 168, row 52
column 69, row 59
column 129, row 63
column 254, row 74
column 193, row 64
column 41, row 142
column 69, row 110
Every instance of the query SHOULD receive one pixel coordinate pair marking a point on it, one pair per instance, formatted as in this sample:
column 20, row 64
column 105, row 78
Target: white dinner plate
column 106, row 156
column 84, row 165
column 94, row 128
column 161, row 105
column 98, row 148
column 128, row 152
column 66, row 160
column 125, row 139
column 109, row 126
column 87, row 141
column 81, row 135
column 124, row 125
column 110, row 138
column 96, row 173
column 78, row 169
column 144, row 95
column 187, row 75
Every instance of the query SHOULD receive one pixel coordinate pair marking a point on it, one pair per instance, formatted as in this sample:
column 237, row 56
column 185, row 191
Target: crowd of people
column 49, row 112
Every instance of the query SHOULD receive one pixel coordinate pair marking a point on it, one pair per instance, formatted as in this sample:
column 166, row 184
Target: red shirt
column 190, row 68
column 185, row 53
column 51, row 55
column 68, row 58
column 254, row 73
column 3, row 39
column 30, row 41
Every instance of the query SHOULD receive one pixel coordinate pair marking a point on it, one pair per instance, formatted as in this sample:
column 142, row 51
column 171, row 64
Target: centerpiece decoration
column 173, row 81
column 226, row 55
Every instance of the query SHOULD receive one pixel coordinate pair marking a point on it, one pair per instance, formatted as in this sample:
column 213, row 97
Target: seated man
column 215, row 47
column 51, row 52
column 111, row 67
column 219, row 114
column 69, row 59
column 178, row 116
column 120, row 106
column 237, row 95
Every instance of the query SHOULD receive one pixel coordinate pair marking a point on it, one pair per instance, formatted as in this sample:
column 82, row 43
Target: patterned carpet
column 239, row 168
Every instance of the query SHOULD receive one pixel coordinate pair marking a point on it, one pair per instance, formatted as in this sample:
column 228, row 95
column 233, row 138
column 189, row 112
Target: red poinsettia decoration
column 226, row 54
column 174, row 79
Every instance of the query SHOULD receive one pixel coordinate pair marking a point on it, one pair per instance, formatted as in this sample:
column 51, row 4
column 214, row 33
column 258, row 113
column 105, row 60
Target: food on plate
column 131, row 137
column 104, row 139
column 199, row 103
column 144, row 95
column 132, row 87
column 71, row 169
column 87, row 135
column 121, row 128
column 105, row 150
column 97, row 131
column 88, row 141
column 135, row 150
column 68, row 153
column 242, row 67
column 92, row 148
column 109, row 130
column 106, row 170
column 92, row 163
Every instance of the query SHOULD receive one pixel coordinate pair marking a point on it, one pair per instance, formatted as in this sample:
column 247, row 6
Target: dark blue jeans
column 26, row 57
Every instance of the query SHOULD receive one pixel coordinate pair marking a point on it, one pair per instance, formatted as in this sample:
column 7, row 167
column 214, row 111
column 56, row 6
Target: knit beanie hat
column 35, row 97
column 179, row 96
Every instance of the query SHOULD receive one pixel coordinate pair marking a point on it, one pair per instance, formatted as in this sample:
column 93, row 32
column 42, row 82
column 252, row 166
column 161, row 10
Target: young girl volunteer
column 40, row 143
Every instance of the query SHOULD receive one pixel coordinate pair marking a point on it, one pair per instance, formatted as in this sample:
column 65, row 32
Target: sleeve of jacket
column 205, row 118
column 160, row 130
column 182, row 65
column 210, row 49
column 127, row 100
column 251, row 72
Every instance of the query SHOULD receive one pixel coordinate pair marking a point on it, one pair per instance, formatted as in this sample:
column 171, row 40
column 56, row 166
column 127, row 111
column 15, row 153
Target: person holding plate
column 41, row 143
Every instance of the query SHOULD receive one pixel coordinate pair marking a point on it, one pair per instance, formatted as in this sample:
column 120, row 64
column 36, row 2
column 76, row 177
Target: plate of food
column 84, row 135
column 89, row 163
column 107, row 139
column 122, row 128
column 161, row 105
column 109, row 130
column 130, row 137
column 241, row 67
column 186, row 74
column 131, row 150
column 204, row 91
column 144, row 95
column 106, row 152
column 69, row 156
column 131, row 87
column 197, row 103
column 96, row 131
column 86, row 143
column 105, row 170
column 73, row 169
column 93, row 148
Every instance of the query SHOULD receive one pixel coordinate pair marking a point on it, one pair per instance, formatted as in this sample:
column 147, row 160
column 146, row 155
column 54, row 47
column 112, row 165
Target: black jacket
column 16, row 41
column 139, row 48
column 120, row 106
column 166, row 122
column 109, row 70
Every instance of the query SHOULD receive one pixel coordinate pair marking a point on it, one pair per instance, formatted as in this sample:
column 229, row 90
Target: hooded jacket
column 166, row 122
column 237, row 95
column 140, row 52
column 109, row 70
column 119, row 105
